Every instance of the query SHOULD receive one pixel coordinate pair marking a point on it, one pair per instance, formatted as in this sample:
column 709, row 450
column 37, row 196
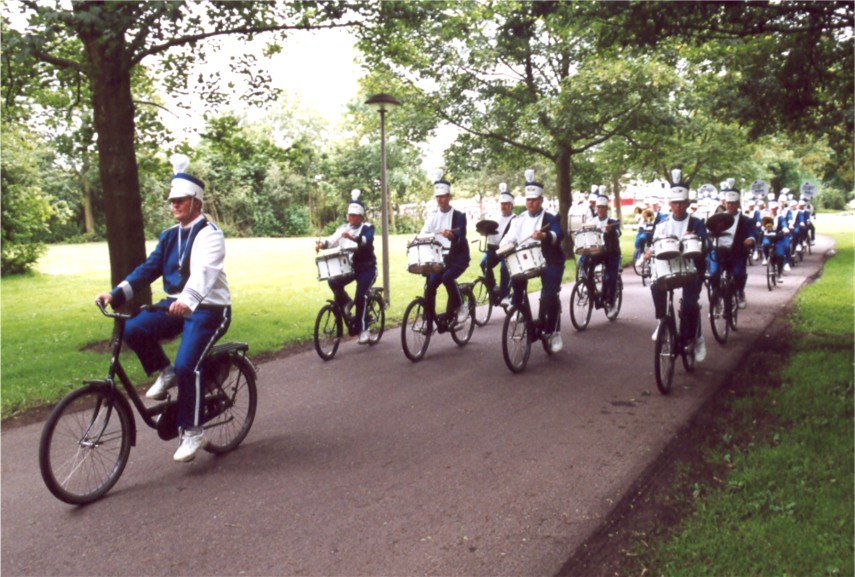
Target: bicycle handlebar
column 126, row 316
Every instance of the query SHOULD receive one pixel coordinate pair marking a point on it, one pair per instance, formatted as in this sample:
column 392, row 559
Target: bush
column 19, row 258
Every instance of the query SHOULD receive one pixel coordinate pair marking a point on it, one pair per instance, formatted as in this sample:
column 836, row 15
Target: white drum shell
column 666, row 247
column 589, row 242
column 526, row 262
column 575, row 222
column 334, row 265
column 424, row 257
column 692, row 246
column 669, row 274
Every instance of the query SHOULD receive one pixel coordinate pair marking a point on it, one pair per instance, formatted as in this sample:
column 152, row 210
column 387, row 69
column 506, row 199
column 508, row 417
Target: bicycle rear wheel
column 719, row 317
column 84, row 446
column 734, row 310
column 233, row 397
column 483, row 302
column 376, row 319
column 415, row 330
column 516, row 346
column 328, row 330
column 461, row 334
column 665, row 354
column 581, row 305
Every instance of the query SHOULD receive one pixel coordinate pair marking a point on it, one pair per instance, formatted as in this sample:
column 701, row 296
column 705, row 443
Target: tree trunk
column 86, row 185
column 109, row 73
column 565, row 195
column 616, row 188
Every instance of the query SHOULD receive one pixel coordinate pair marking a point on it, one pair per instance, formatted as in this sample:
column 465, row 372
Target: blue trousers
column 201, row 330
column 736, row 266
column 364, row 281
column 490, row 260
column 448, row 278
column 550, row 305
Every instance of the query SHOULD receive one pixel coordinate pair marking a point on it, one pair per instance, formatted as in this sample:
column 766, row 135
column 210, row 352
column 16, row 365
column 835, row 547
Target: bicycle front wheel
column 328, row 330
column 234, row 398
column 376, row 315
column 516, row 346
column 461, row 334
column 734, row 310
column 770, row 273
column 718, row 316
column 84, row 446
column 483, row 302
column 415, row 331
column 612, row 313
column 581, row 305
column 665, row 356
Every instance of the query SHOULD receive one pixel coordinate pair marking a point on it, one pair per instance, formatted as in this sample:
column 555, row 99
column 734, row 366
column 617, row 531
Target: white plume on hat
column 355, row 207
column 440, row 187
column 504, row 195
column 184, row 184
column 532, row 189
column 679, row 192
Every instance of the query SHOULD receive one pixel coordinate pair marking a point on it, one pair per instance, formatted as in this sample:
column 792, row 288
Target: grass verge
column 761, row 482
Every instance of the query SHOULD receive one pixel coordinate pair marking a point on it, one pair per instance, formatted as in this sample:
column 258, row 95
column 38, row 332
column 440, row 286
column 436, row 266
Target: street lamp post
column 383, row 103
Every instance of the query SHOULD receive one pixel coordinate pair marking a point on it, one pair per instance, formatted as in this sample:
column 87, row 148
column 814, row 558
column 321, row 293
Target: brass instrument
column 648, row 215
column 767, row 222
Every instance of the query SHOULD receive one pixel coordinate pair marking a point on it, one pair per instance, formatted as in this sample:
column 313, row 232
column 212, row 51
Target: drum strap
column 185, row 260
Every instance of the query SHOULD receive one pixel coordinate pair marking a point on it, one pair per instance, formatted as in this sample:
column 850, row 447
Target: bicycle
column 588, row 292
column 416, row 329
column 771, row 258
column 519, row 331
column 332, row 319
column 639, row 265
column 485, row 300
column 724, row 307
column 668, row 346
column 86, row 440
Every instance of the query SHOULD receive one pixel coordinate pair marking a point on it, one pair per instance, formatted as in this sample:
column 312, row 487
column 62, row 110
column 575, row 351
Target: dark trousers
column 689, row 307
column 490, row 260
column 448, row 278
column 201, row 330
column 364, row 281
column 550, row 305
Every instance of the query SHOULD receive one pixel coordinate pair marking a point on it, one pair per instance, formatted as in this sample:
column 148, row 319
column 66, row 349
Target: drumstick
column 543, row 229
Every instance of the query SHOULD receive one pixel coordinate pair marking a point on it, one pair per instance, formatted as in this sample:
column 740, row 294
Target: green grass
column 785, row 504
column 48, row 318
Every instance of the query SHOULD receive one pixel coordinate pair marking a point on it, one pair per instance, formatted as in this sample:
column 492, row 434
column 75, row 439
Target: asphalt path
column 370, row 464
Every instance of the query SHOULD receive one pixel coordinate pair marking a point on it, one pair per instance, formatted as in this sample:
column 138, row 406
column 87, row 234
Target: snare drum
column 589, row 241
column 575, row 222
column 526, row 261
column 334, row 264
column 666, row 247
column 674, row 273
column 691, row 244
column 424, row 256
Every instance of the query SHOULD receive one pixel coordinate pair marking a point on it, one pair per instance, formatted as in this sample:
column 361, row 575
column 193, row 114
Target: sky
column 318, row 69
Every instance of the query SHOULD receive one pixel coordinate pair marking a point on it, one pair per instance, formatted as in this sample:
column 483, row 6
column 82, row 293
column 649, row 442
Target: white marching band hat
column 184, row 184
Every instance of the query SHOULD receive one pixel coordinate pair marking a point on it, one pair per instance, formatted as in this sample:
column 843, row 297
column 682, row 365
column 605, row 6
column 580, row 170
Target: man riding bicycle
column 491, row 259
column 190, row 257
column 358, row 236
column 610, row 257
column 734, row 248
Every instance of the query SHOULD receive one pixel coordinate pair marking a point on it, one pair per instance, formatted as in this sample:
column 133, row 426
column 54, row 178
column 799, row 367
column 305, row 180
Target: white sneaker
column 765, row 262
column 364, row 337
column 462, row 314
column 786, row 267
column 640, row 262
column 164, row 382
column 505, row 302
column 740, row 302
column 191, row 442
column 700, row 349
column 780, row 279
column 656, row 331
column 555, row 342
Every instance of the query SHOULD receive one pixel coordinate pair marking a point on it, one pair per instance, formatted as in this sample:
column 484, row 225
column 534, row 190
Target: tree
column 782, row 66
column 101, row 43
column 526, row 75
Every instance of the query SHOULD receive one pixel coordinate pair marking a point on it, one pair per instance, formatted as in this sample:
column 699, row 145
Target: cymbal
column 718, row 223
column 487, row 227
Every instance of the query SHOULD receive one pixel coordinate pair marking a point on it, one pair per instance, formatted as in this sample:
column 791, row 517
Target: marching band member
column 610, row 257
column 678, row 224
column 190, row 257
column 358, row 236
column 734, row 248
column 491, row 259
column 448, row 226
column 776, row 243
column 538, row 225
